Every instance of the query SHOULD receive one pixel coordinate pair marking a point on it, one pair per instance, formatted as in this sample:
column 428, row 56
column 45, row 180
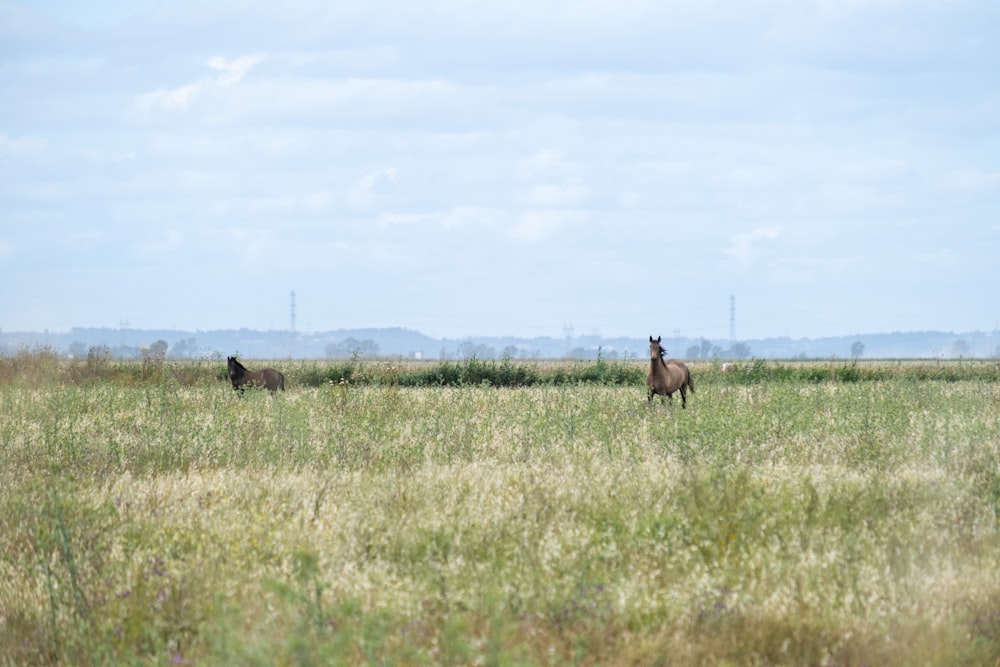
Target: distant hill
column 400, row 342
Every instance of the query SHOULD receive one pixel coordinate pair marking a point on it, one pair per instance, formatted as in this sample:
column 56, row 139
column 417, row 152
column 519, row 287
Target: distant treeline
column 396, row 342
column 507, row 373
column 41, row 367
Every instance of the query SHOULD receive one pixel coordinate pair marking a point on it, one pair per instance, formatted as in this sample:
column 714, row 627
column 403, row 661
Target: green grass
column 793, row 514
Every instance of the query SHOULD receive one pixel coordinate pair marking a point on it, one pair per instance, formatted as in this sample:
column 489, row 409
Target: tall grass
column 149, row 518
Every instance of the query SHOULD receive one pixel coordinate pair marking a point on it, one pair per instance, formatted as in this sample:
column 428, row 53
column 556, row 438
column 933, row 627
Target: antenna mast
column 292, row 313
column 732, row 320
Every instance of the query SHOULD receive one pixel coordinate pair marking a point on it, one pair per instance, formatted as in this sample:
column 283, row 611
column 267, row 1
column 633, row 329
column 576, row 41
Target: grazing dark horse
column 241, row 377
column 664, row 377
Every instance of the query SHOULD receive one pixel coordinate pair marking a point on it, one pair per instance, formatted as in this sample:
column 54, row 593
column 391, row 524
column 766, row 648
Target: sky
column 475, row 168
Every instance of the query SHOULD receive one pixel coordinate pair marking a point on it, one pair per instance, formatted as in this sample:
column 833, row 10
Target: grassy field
column 794, row 514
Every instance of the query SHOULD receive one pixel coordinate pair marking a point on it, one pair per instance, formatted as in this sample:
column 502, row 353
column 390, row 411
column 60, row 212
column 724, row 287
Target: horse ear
column 658, row 339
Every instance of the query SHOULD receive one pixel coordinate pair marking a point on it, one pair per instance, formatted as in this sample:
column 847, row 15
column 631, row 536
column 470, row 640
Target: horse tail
column 690, row 380
column 281, row 381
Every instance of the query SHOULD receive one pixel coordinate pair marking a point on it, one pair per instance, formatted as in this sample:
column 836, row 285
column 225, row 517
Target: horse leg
column 684, row 399
column 651, row 393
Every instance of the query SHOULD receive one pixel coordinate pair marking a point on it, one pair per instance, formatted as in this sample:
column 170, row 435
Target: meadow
column 499, row 513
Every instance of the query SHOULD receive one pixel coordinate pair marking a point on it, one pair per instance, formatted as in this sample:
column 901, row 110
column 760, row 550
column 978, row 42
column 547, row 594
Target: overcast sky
column 487, row 167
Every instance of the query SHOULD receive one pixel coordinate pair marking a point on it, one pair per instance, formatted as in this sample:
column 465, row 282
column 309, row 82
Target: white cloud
column 534, row 226
column 100, row 15
column 971, row 180
column 629, row 199
column 744, row 247
column 276, row 207
column 547, row 161
column 314, row 203
column 802, row 270
column 168, row 99
column 253, row 248
column 379, row 182
column 329, row 101
column 943, row 257
column 554, row 196
column 233, row 71
column 20, row 146
column 404, row 219
column 471, row 216
column 167, row 241
column 181, row 98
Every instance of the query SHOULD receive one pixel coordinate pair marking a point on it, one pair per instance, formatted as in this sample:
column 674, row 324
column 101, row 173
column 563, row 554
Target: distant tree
column 960, row 348
column 77, row 350
column 158, row 349
column 509, row 352
column 740, row 351
column 857, row 349
column 585, row 353
column 352, row 347
column 469, row 349
column 693, row 352
column 127, row 352
column 185, row 348
column 706, row 348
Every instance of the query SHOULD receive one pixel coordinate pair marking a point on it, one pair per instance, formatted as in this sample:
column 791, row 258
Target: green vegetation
column 499, row 513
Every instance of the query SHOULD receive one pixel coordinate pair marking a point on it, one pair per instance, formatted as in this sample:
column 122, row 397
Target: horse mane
column 663, row 354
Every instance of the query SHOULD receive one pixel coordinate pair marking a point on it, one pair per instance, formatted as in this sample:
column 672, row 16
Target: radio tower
column 732, row 320
column 292, row 309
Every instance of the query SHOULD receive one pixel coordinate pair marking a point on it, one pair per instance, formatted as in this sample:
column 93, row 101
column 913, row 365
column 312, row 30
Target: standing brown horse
column 664, row 377
column 240, row 377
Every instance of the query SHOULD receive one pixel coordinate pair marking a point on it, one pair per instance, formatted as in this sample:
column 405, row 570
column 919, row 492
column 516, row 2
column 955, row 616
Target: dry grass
column 796, row 523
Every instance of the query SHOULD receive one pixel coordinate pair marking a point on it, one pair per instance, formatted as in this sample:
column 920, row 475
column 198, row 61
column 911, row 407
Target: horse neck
column 657, row 363
column 239, row 371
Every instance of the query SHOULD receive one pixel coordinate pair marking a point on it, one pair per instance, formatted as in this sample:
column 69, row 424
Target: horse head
column 234, row 368
column 656, row 351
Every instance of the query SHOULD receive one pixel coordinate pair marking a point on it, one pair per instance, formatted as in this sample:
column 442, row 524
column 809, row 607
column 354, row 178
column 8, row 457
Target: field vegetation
column 499, row 513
